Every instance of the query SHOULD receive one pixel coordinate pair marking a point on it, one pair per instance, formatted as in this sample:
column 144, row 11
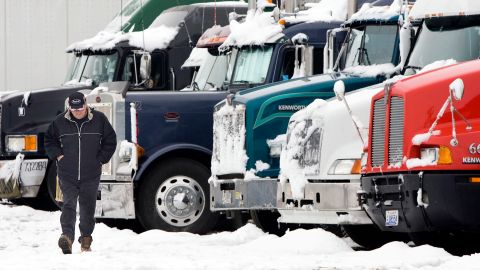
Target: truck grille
column 105, row 108
column 309, row 152
column 229, row 156
column 378, row 133
column 395, row 142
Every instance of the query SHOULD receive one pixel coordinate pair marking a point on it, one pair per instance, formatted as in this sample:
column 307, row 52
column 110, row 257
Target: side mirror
column 456, row 88
column 339, row 89
column 145, row 66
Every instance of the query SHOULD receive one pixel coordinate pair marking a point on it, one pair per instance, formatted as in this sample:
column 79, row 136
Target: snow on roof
column 257, row 29
column 155, row 38
column 196, row 58
column 325, row 11
column 371, row 12
column 372, row 70
column 429, row 8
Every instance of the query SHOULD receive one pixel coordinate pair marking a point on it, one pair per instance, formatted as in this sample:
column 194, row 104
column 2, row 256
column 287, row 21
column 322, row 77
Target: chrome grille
column 105, row 108
column 395, row 133
column 309, row 158
column 228, row 140
column 378, row 133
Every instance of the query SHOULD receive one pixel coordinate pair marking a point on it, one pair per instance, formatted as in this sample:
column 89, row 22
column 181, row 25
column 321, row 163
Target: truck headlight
column 346, row 166
column 21, row 143
column 438, row 155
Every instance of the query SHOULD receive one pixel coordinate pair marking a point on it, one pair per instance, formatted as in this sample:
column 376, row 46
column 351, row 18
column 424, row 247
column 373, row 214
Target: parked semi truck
column 421, row 173
column 331, row 195
column 169, row 187
column 104, row 58
column 245, row 163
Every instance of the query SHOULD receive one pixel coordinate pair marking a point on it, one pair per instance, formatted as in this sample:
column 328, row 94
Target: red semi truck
column 422, row 174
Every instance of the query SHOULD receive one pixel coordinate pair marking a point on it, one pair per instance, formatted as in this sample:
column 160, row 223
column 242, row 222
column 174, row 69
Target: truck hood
column 269, row 107
column 41, row 108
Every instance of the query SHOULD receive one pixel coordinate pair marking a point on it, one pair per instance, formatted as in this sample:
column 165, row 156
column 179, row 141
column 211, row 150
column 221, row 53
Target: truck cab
column 247, row 125
column 330, row 194
column 107, row 57
column 420, row 175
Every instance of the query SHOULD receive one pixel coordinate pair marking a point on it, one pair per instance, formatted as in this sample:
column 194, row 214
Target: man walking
column 80, row 140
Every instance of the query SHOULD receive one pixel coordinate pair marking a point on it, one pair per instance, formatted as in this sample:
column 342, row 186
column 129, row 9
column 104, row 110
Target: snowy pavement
column 29, row 241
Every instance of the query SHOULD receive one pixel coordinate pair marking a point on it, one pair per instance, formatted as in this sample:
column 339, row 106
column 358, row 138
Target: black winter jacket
column 84, row 148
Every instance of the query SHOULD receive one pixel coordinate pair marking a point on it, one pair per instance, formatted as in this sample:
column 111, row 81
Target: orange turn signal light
column 30, row 143
column 357, row 166
column 444, row 156
column 474, row 179
column 282, row 22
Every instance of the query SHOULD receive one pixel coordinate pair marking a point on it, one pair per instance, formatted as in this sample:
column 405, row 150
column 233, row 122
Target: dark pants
column 85, row 191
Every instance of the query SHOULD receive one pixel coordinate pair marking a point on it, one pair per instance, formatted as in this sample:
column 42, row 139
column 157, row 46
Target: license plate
column 391, row 218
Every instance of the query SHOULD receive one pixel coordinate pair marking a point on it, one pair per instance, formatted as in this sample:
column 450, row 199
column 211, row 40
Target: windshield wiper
column 242, row 81
column 415, row 68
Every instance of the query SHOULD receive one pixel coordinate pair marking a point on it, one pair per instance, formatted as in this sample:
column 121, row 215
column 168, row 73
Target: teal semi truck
column 247, row 125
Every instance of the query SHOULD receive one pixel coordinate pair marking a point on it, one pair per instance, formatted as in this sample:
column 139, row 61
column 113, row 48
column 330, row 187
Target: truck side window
column 286, row 72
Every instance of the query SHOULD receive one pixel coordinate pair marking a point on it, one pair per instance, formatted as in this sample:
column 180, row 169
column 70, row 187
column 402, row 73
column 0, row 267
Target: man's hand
column 59, row 157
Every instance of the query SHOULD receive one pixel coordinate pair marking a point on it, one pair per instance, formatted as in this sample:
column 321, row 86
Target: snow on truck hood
column 257, row 29
column 433, row 8
column 155, row 38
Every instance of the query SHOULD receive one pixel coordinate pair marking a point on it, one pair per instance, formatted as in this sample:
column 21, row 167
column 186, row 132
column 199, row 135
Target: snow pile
column 27, row 233
column 229, row 155
column 423, row 137
column 257, row 29
column 155, row 38
column 303, row 124
column 371, row 12
column 425, row 8
column 371, row 71
column 325, row 11
column 437, row 64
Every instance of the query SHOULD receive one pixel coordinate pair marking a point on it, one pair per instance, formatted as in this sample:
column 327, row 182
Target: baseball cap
column 76, row 100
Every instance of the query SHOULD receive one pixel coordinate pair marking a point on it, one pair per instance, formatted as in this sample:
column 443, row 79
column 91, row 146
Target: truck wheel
column 369, row 236
column 174, row 197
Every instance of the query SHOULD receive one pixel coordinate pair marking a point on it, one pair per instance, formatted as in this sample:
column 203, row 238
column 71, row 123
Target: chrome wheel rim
column 180, row 201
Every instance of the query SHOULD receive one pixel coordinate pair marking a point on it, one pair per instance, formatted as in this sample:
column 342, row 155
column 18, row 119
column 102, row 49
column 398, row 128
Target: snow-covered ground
column 29, row 241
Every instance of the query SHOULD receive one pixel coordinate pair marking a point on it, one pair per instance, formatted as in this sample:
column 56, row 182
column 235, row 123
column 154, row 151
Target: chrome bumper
column 256, row 194
column 323, row 203
column 32, row 173
column 115, row 200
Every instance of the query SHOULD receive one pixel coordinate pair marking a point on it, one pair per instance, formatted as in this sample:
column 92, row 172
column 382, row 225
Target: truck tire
column 174, row 197
column 369, row 236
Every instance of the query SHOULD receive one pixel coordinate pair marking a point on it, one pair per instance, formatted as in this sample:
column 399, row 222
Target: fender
column 165, row 150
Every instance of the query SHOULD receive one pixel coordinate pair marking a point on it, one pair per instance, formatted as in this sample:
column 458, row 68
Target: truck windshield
column 251, row 66
column 212, row 72
column 461, row 44
column 372, row 44
column 94, row 69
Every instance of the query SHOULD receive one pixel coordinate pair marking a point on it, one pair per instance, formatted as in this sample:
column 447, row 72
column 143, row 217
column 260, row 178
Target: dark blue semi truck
column 165, row 184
